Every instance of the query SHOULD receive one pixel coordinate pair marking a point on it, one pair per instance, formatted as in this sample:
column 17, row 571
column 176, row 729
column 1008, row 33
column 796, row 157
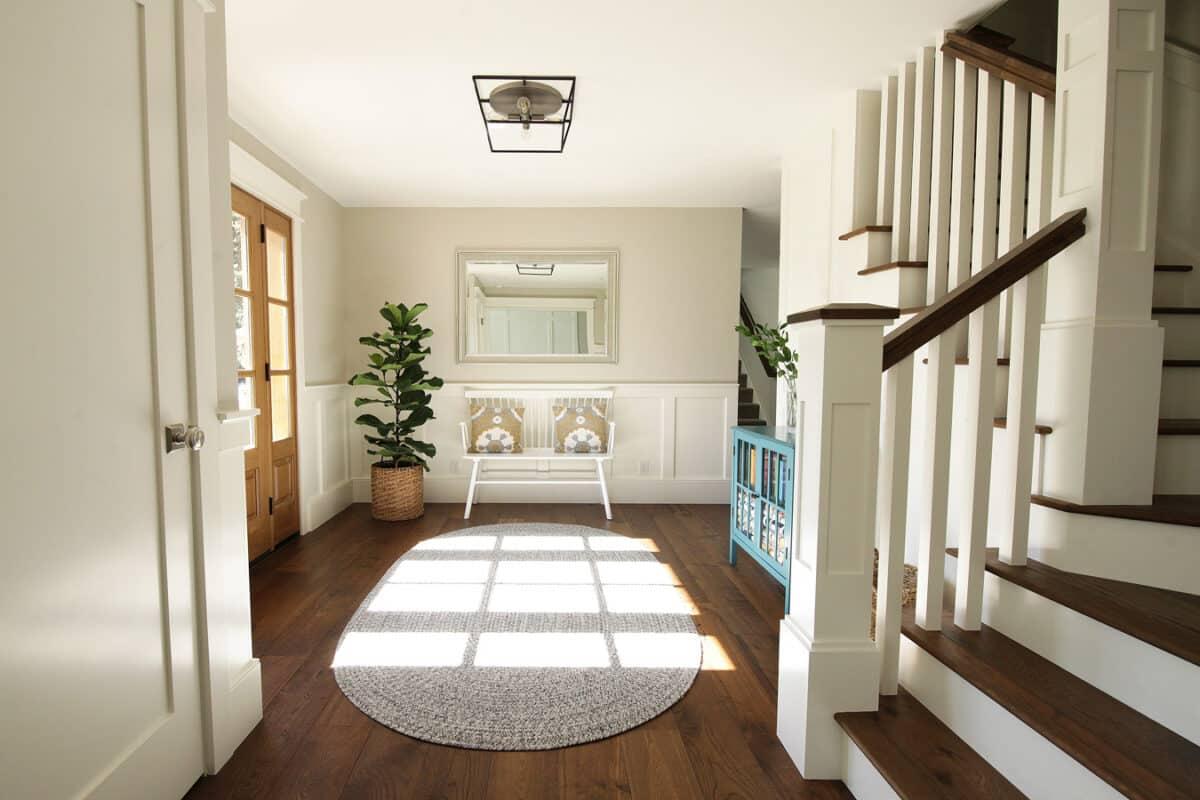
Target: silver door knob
column 182, row 436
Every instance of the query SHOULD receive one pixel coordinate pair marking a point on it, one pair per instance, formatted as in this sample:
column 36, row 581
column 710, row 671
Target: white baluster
column 891, row 512
column 887, row 151
column 981, row 369
column 953, row 199
column 904, row 161
column 923, row 120
column 1013, row 163
column 1029, row 304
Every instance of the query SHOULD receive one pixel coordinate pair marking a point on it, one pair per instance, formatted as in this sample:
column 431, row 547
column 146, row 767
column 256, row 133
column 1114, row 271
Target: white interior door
column 99, row 693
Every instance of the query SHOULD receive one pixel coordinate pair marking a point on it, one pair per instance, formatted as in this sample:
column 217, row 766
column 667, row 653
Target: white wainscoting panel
column 672, row 442
column 327, row 416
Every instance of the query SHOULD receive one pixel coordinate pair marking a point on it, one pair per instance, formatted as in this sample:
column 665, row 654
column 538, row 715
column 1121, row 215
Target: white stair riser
column 861, row 777
column 1182, row 335
column 1138, row 674
column 1176, row 288
column 1101, row 546
column 865, row 250
column 1027, row 759
column 1177, row 465
column 1180, row 393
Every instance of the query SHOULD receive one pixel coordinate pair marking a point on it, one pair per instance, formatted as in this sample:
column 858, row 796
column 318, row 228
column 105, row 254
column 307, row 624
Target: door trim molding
column 248, row 173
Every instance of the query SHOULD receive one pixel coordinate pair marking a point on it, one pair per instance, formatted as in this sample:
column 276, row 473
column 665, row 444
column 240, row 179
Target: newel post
column 827, row 660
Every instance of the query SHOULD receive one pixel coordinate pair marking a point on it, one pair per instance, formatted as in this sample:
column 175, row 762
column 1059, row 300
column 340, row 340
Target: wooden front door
column 264, row 338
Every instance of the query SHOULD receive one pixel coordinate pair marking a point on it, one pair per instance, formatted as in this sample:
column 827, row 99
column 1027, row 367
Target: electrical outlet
column 644, row 468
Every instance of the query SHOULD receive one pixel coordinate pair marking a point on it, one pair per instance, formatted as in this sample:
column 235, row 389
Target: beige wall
column 678, row 283
column 322, row 290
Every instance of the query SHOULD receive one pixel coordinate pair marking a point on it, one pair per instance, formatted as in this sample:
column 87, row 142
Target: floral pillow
column 495, row 429
column 580, row 426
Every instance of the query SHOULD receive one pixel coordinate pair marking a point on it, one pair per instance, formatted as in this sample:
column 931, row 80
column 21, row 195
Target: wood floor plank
column 717, row 741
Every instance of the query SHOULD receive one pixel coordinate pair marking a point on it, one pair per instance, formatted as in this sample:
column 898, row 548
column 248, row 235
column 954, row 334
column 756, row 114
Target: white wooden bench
column 538, row 442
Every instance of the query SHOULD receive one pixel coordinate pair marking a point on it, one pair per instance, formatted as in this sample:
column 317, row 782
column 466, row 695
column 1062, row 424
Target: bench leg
column 471, row 488
column 603, row 488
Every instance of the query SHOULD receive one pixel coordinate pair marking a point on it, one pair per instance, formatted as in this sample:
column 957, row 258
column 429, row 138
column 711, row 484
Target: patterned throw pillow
column 580, row 426
column 495, row 429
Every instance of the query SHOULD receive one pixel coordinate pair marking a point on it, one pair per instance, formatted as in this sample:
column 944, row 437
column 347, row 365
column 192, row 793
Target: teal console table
column 760, row 503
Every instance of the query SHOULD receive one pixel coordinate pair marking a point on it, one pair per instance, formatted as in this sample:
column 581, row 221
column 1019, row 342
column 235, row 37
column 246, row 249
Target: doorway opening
column 264, row 340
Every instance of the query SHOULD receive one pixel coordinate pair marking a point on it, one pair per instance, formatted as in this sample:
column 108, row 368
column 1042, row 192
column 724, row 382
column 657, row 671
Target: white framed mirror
column 537, row 306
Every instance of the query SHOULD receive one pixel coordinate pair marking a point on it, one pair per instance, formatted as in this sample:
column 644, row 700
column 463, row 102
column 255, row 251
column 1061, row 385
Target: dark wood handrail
column 985, row 50
column 983, row 286
column 748, row 321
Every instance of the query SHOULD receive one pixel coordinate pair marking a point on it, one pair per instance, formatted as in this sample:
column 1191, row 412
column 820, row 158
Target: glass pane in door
column 241, row 253
column 242, row 341
column 281, row 407
column 277, row 323
column 277, row 265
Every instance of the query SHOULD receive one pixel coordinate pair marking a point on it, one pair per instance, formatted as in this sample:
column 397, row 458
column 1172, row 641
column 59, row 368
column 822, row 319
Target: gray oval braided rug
column 521, row 637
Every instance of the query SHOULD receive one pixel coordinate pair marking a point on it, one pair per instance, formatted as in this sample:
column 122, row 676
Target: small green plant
column 772, row 345
column 403, row 386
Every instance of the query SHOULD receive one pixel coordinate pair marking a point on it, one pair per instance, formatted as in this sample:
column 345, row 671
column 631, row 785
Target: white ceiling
column 680, row 102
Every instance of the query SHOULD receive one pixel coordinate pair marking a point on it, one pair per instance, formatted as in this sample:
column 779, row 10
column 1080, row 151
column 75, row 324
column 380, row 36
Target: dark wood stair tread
column 1181, row 362
column 1041, row 430
column 1172, row 267
column 1179, row 427
column 918, row 755
column 1162, row 618
column 865, row 229
column 1169, row 509
column 1175, row 310
column 894, row 265
column 1129, row 751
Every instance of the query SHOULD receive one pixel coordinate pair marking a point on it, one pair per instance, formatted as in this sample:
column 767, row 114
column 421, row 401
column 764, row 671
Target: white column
column 827, row 661
column 1101, row 352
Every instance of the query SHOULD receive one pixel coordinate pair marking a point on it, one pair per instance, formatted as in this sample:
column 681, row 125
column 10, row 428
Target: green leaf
column 367, row 379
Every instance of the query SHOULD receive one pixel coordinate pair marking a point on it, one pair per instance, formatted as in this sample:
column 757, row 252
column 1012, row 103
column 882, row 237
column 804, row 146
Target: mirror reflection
column 537, row 306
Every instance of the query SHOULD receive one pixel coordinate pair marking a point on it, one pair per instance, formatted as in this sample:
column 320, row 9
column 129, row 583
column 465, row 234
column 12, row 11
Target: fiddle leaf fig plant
column 403, row 388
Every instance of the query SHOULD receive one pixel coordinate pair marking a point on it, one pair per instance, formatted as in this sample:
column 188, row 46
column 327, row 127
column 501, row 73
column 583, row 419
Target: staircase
column 748, row 412
column 1055, row 651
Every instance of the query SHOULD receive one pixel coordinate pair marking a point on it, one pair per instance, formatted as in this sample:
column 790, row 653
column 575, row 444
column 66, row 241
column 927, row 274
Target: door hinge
column 270, row 505
column 267, row 370
column 262, row 233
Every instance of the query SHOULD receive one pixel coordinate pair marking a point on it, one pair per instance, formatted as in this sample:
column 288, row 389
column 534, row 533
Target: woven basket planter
column 397, row 493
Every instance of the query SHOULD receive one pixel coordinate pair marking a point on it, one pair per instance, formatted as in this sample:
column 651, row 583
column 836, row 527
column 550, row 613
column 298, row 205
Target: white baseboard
column 1101, row 547
column 453, row 489
column 1027, row 759
column 1138, row 674
column 861, row 777
column 325, row 505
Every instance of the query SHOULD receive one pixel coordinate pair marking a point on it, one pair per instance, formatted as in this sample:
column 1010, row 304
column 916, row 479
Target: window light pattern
column 525, row 636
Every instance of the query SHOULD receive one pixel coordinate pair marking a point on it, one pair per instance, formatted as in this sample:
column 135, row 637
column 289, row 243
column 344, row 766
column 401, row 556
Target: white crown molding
column 258, row 179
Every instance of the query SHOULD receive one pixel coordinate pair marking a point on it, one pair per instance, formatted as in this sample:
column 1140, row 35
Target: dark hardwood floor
column 718, row 741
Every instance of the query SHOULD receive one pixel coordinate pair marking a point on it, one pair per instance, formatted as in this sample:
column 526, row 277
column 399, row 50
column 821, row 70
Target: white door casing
column 98, row 670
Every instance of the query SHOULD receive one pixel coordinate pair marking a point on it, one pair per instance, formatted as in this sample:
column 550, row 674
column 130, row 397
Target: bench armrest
column 462, row 427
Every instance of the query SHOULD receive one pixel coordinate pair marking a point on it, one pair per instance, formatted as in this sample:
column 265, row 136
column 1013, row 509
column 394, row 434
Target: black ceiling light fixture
column 544, row 270
column 526, row 113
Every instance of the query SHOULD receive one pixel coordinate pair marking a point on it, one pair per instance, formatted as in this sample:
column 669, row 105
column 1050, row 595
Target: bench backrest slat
column 538, row 419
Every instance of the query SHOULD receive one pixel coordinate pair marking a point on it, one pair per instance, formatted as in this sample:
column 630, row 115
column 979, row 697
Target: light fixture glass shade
column 510, row 132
